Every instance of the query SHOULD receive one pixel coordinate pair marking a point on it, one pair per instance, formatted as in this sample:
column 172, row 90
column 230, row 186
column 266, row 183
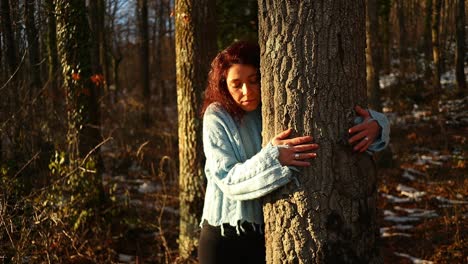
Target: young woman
column 238, row 169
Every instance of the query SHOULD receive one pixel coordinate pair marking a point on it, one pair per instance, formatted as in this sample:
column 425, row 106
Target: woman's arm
column 240, row 180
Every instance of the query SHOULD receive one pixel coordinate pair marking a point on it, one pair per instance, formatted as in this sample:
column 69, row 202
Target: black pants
column 245, row 248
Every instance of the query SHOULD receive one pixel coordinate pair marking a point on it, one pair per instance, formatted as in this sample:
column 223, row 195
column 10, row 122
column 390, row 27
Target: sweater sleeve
column 237, row 179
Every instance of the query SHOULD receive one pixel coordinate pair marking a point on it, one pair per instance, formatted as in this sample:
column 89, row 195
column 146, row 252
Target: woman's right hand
column 298, row 150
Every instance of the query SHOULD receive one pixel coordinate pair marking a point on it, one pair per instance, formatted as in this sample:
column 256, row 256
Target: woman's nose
column 245, row 89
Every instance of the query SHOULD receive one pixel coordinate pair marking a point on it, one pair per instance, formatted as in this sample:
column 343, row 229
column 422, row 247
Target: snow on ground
column 413, row 259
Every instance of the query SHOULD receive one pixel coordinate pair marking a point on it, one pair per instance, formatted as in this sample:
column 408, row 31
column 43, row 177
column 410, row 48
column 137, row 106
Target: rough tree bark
column 460, row 52
column 373, row 54
column 313, row 74
column 195, row 40
column 82, row 94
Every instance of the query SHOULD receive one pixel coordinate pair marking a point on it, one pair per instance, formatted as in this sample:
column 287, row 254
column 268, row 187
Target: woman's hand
column 365, row 133
column 299, row 149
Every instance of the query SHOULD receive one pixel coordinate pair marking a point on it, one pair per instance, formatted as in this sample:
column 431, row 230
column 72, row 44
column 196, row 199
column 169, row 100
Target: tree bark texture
column 436, row 46
column 460, row 52
column 144, row 57
column 82, row 93
column 373, row 54
column 313, row 74
column 427, row 38
column 195, row 47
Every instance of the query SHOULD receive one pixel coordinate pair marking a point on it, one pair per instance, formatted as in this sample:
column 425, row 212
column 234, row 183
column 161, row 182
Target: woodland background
column 89, row 164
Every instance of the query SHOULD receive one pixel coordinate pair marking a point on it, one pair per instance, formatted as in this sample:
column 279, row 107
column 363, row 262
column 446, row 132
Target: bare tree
column 313, row 74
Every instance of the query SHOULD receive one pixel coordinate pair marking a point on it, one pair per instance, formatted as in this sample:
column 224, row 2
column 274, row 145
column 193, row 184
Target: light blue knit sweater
column 239, row 170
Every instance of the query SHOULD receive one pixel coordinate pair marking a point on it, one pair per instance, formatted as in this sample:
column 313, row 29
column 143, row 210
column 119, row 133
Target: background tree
column 313, row 74
column 373, row 54
column 436, row 46
column 142, row 15
column 460, row 52
column 81, row 90
column 195, row 40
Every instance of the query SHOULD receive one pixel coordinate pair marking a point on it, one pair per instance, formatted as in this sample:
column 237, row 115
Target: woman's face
column 244, row 86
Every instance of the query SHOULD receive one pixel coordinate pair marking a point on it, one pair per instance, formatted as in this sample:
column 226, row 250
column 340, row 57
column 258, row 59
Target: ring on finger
column 296, row 156
column 366, row 138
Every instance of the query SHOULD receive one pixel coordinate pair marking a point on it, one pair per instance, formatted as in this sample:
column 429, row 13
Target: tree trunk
column 313, row 74
column 460, row 52
column 82, row 93
column 403, row 45
column 427, row 39
column 144, row 57
column 385, row 7
column 33, row 45
column 195, row 40
column 10, row 53
column 373, row 54
column 52, row 57
column 436, row 46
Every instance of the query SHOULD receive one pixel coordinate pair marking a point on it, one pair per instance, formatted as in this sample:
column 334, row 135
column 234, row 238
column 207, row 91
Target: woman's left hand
column 364, row 134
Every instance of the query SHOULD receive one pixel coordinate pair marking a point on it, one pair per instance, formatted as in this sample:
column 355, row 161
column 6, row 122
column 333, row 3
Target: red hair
column 240, row 52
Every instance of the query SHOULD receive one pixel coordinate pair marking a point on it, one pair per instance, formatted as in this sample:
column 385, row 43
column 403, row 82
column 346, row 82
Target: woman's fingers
column 306, row 147
column 361, row 111
column 284, row 134
column 362, row 145
column 298, row 140
column 358, row 136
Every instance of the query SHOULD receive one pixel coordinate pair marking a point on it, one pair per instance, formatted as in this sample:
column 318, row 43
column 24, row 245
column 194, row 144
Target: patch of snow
column 148, row 188
column 408, row 176
column 410, row 192
column 388, row 231
column 395, row 199
column 390, row 234
column 401, row 219
column 416, row 212
column 393, row 217
column 388, row 80
column 445, row 200
column 413, row 259
column 126, row 258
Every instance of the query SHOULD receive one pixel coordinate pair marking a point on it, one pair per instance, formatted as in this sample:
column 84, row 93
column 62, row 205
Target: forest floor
column 423, row 194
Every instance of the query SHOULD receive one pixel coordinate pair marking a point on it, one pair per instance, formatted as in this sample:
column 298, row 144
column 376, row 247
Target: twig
column 27, row 163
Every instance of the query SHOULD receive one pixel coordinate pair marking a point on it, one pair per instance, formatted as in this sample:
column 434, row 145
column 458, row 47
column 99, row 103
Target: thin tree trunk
column 385, row 34
column 313, row 74
column 33, row 45
column 427, row 39
column 195, row 40
column 52, row 55
column 373, row 54
column 144, row 58
column 436, row 47
column 10, row 52
column 403, row 45
column 460, row 52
